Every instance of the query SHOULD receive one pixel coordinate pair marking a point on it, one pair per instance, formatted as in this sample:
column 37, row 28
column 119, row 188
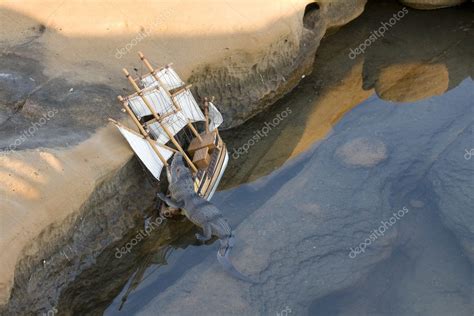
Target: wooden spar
column 142, row 130
column 157, row 117
column 140, row 135
column 195, row 132
column 152, row 71
column 178, row 90
column 206, row 113
column 212, row 100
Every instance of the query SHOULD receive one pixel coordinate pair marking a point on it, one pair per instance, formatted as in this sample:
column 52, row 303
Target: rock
column 412, row 82
column 452, row 178
column 419, row 66
column 258, row 81
column 50, row 256
column 431, row 4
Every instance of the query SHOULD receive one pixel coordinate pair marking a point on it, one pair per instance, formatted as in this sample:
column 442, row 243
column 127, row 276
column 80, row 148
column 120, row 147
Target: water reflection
column 296, row 225
column 426, row 54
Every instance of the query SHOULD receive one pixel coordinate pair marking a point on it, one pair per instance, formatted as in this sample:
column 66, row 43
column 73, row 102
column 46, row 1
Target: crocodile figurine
column 200, row 212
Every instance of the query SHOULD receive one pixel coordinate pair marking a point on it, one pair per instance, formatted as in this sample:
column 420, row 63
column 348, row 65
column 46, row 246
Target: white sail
column 174, row 124
column 145, row 152
column 168, row 77
column 157, row 98
column 189, row 106
column 215, row 117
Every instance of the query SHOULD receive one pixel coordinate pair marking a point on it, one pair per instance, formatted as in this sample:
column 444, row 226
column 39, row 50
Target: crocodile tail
column 227, row 264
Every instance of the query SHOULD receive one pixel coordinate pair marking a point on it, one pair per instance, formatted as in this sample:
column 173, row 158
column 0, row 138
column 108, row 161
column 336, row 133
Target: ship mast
column 142, row 130
column 153, row 73
column 206, row 113
column 158, row 119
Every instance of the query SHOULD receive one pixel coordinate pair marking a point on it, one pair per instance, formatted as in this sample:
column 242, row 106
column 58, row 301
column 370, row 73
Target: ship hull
column 206, row 180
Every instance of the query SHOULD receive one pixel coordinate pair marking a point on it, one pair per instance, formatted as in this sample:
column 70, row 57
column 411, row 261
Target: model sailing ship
column 170, row 121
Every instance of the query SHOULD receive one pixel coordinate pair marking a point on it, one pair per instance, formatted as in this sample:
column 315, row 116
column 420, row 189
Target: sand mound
column 362, row 152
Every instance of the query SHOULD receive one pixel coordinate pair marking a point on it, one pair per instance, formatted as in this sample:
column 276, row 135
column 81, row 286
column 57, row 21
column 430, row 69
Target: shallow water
column 322, row 181
column 426, row 271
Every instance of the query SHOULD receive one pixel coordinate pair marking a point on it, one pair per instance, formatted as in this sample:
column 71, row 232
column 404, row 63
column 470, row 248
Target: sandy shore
column 101, row 37
column 39, row 188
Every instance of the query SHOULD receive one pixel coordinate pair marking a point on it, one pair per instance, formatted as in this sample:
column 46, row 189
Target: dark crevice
column 310, row 15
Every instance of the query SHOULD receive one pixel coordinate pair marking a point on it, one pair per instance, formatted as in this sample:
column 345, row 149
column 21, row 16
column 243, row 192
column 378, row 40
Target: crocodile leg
column 170, row 202
column 227, row 243
column 207, row 234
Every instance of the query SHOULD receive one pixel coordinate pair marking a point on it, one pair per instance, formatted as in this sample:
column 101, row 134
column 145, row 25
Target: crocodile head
column 179, row 174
